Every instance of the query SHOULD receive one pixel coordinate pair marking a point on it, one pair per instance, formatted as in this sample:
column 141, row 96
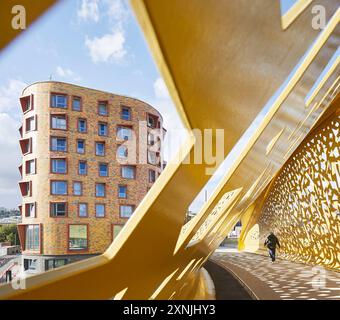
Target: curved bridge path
column 281, row 280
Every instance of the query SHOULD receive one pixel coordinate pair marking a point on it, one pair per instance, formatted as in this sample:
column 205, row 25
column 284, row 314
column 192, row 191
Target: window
column 152, row 121
column 58, row 209
column 124, row 133
column 30, row 210
column 59, row 166
column 32, row 238
column 59, row 187
column 122, row 192
column 76, row 103
column 30, row 124
column 102, row 129
column 126, row 211
column 26, row 145
column 26, row 188
column 116, row 229
column 82, row 125
column 122, row 152
column 26, row 103
column 77, row 188
column 31, row 166
column 49, row 264
column 103, row 169
column 58, row 144
column 58, row 121
column 128, row 172
column 77, row 237
column 100, row 210
column 100, row 148
column 82, row 167
column 59, row 262
column 100, row 189
column 152, row 157
column 54, row 263
column 151, row 139
column 83, row 210
column 102, row 108
column 80, row 146
column 125, row 113
column 152, row 176
column 59, row 101
column 30, row 264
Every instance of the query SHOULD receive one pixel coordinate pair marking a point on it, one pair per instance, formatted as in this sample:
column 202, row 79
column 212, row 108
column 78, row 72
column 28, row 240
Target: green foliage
column 9, row 233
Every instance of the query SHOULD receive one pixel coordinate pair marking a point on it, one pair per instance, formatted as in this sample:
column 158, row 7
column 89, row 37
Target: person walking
column 271, row 242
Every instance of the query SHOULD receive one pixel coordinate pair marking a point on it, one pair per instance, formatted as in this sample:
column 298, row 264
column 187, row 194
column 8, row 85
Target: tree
column 9, row 233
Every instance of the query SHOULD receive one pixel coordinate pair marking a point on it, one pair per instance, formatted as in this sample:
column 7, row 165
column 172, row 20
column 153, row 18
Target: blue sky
column 97, row 44
column 71, row 40
column 286, row 5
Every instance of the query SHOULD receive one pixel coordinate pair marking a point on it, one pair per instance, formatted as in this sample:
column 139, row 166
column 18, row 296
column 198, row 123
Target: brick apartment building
column 89, row 158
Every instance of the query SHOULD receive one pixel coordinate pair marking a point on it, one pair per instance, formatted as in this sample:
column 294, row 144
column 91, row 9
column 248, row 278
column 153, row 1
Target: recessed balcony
column 20, row 170
column 26, row 188
column 26, row 103
column 26, row 145
column 20, row 131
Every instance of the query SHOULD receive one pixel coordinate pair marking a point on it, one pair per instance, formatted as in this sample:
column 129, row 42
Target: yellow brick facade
column 54, row 230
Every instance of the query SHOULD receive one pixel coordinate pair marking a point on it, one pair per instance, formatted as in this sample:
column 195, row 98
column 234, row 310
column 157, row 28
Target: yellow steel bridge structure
column 224, row 63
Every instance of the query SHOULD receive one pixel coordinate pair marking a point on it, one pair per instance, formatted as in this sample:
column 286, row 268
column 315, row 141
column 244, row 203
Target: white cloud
column 9, row 95
column 8, row 132
column 64, row 72
column 117, row 10
column 93, row 10
column 10, row 117
column 108, row 48
column 67, row 73
column 160, row 89
column 89, row 10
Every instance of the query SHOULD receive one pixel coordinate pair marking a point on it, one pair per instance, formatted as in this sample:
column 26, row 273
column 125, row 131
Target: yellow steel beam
column 289, row 17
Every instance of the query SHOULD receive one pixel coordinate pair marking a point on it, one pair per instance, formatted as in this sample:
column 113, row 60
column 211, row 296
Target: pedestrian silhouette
column 271, row 242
